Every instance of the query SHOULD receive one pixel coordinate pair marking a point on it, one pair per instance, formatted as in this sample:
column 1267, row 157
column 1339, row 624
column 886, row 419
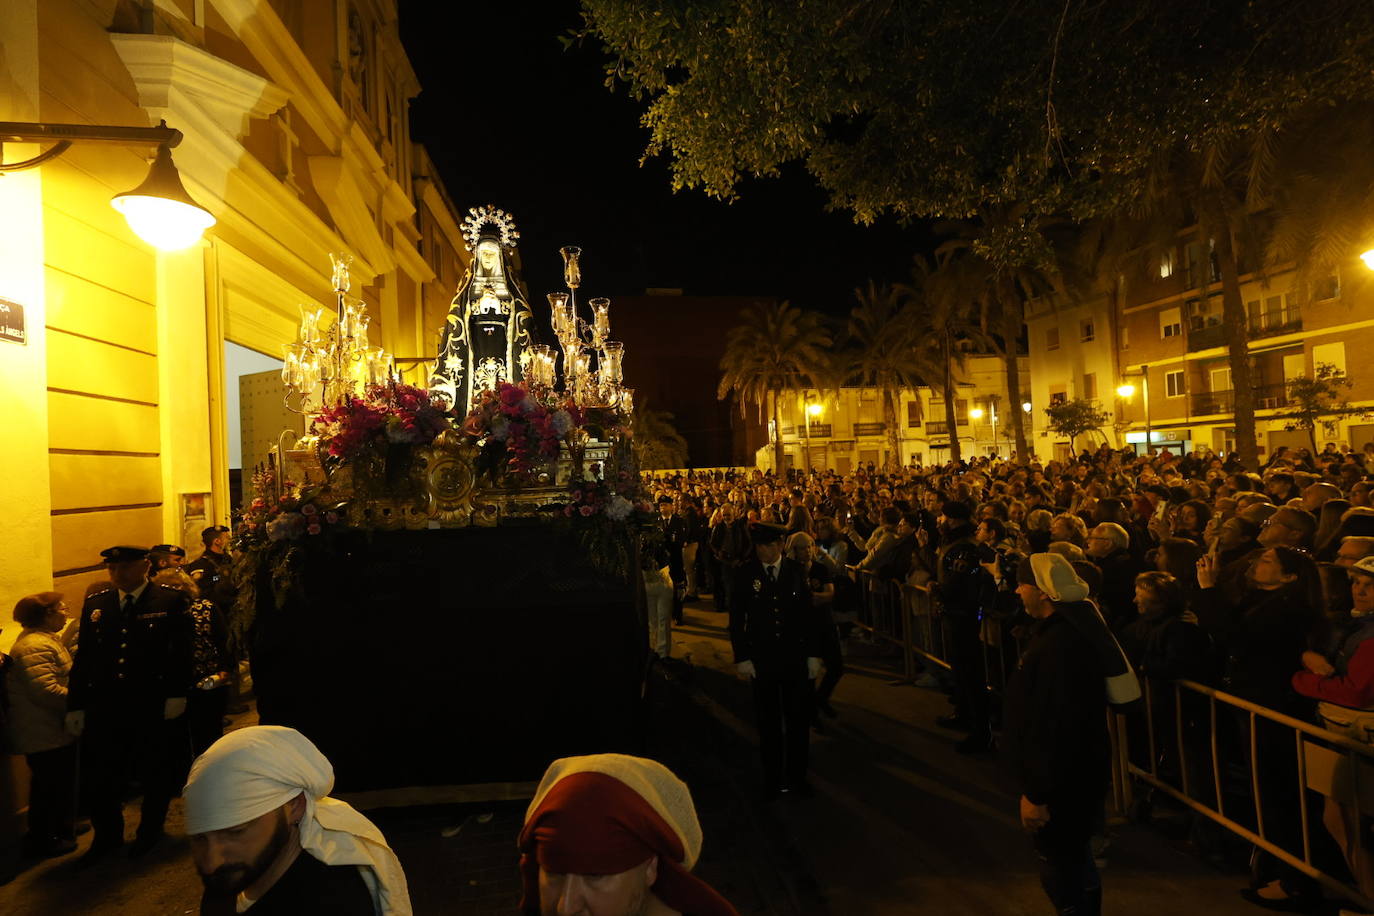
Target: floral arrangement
column 520, row 428
column 392, row 414
column 609, row 516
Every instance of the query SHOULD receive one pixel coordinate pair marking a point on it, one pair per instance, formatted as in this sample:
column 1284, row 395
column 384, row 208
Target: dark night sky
column 512, row 119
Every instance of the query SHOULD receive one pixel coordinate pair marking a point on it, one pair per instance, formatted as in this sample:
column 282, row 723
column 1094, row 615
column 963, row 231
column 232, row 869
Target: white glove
column 813, row 667
column 174, row 708
column 745, row 669
column 76, row 722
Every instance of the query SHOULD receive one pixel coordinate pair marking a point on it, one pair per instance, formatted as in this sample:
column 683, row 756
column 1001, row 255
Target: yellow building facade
column 295, row 139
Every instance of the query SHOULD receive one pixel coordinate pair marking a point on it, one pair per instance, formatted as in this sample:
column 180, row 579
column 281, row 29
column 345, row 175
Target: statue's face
column 488, row 255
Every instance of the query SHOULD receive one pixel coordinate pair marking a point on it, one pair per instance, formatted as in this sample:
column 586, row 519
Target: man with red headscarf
column 613, row 835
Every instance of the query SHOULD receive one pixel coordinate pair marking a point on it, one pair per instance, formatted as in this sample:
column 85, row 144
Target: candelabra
column 580, row 340
column 332, row 362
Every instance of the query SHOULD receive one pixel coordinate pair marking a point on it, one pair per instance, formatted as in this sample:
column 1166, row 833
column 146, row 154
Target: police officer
column 966, row 590
column 128, row 686
column 775, row 632
column 211, row 570
column 165, row 556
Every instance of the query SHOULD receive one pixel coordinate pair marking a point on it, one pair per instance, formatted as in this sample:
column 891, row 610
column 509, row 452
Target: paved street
column 901, row 824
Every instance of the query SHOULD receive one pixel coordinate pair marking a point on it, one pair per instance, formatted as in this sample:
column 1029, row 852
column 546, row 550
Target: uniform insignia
column 95, row 616
column 151, row 614
column 758, row 586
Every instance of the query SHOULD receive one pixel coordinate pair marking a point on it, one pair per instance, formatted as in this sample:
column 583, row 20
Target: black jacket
column 132, row 662
column 774, row 625
column 1055, row 735
column 1119, row 569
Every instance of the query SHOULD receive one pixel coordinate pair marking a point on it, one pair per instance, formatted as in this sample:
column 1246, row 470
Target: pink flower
column 331, row 517
column 568, row 510
column 586, row 510
column 309, row 509
column 313, row 528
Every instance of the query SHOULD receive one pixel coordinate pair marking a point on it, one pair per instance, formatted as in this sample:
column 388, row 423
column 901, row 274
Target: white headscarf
column 251, row 771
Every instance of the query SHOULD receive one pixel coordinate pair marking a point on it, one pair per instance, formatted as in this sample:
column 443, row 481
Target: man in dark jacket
column 1109, row 547
column 1055, row 737
column 129, row 680
column 966, row 591
column 775, row 632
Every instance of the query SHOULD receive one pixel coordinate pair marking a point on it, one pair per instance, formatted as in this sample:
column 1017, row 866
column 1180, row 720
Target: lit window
column 1166, row 265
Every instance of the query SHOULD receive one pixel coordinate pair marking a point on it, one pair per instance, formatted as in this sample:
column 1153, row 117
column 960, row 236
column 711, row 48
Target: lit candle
column 601, row 320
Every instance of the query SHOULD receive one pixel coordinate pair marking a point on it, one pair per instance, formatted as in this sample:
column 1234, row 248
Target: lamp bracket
column 63, row 135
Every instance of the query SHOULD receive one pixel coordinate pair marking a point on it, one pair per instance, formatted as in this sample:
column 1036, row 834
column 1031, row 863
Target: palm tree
column 1021, row 258
column 657, row 443
column 944, row 304
column 775, row 348
column 884, row 354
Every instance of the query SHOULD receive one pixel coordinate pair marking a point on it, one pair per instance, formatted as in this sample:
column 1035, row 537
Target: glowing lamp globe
column 1026, row 406
column 814, row 409
column 1125, row 391
column 976, row 413
column 160, row 211
column 1368, row 258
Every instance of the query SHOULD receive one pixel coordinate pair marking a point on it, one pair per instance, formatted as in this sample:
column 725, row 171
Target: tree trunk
column 1237, row 340
column 1011, row 331
column 779, row 466
column 955, row 453
column 894, row 447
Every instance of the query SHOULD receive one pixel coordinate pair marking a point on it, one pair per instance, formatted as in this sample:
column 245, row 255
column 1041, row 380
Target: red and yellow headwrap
column 605, row 814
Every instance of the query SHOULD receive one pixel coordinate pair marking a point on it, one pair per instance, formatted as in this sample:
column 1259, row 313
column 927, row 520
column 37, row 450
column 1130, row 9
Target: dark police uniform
column 211, row 573
column 774, row 625
column 133, row 656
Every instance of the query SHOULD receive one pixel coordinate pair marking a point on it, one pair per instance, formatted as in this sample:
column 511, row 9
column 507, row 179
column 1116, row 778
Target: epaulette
column 108, row 588
column 170, row 588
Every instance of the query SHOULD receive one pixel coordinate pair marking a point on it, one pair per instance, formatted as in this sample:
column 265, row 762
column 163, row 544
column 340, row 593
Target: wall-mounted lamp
column 159, row 210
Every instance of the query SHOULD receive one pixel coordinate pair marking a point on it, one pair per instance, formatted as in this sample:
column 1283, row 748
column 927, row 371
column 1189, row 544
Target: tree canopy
column 932, row 108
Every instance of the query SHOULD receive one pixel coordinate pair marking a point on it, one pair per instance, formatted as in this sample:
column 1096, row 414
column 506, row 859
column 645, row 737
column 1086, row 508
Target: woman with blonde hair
column 37, row 687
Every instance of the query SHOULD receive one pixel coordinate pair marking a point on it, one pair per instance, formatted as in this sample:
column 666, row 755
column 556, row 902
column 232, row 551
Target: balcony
column 820, row 430
column 869, row 429
column 1257, row 327
column 1206, row 403
column 937, row 428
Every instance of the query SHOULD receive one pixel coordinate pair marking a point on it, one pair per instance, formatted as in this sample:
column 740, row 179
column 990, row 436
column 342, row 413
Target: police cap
column 209, row 534
column 124, row 554
column 170, row 550
column 764, row 533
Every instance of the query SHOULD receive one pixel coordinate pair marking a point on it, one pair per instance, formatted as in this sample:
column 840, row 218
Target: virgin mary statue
column 488, row 326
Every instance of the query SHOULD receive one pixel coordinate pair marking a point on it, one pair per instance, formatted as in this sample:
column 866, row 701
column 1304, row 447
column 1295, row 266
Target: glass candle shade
column 572, row 266
column 601, row 320
column 612, row 357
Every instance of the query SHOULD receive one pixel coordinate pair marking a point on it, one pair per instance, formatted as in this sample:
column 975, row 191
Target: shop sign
column 12, row 322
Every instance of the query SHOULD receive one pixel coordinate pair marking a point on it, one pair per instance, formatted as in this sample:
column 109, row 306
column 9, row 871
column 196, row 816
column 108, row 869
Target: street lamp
column 159, row 210
column 1126, row 391
column 811, row 410
column 1368, row 258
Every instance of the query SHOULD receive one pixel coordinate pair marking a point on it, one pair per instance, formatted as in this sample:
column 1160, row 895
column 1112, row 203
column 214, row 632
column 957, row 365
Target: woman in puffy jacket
column 37, row 688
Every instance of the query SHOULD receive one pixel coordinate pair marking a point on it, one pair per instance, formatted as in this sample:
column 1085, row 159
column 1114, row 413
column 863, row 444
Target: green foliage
column 776, row 347
column 1074, row 418
column 1320, row 399
column 925, row 109
column 657, row 443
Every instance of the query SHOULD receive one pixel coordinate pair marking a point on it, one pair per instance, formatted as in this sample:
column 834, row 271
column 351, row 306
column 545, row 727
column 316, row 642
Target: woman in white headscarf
column 267, row 838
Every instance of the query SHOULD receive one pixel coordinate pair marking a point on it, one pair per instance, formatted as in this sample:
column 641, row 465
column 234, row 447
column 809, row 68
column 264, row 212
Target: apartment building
column 823, row 430
column 1173, row 350
column 1073, row 355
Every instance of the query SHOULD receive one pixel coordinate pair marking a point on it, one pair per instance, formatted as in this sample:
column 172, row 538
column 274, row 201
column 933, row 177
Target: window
column 1173, row 384
column 1170, row 323
column 1327, row 288
column 1221, row 379
column 1090, row 386
column 1166, row 265
column 1058, row 395
column 913, row 414
column 961, row 411
column 1125, row 337
column 1051, row 338
column 1330, row 354
column 1086, row 330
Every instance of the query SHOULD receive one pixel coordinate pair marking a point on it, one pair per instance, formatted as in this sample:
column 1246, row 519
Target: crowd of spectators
column 1253, row 582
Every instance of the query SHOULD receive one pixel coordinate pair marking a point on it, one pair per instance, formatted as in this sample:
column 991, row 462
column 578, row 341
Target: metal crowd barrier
column 1209, row 731
column 1190, row 764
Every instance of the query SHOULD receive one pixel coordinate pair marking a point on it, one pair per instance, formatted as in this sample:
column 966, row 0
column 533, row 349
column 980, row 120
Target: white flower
column 619, row 508
column 561, row 421
column 500, row 429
